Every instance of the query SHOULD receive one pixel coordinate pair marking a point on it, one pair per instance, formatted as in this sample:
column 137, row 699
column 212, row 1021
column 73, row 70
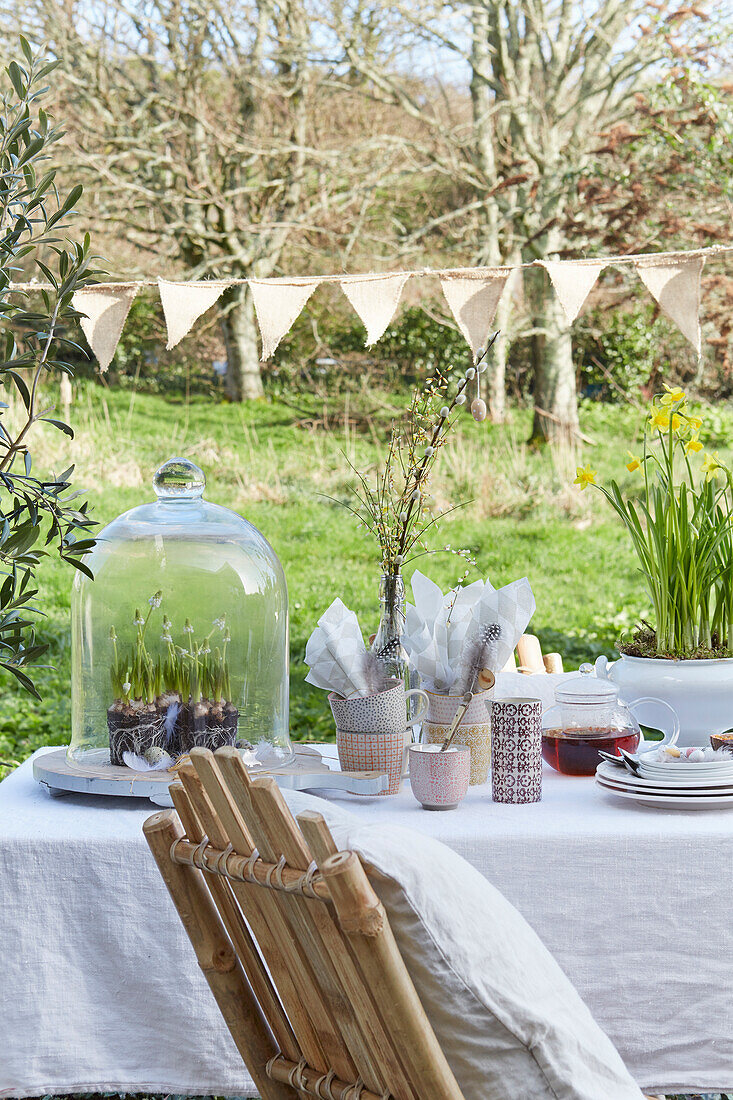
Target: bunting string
column 471, row 293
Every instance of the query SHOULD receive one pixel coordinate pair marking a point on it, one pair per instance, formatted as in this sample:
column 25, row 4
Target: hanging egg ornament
column 478, row 409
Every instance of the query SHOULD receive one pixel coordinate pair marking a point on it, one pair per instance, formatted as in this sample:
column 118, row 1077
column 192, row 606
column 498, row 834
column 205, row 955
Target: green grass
column 526, row 519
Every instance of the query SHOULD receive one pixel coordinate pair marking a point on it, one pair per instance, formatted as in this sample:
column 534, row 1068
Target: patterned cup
column 384, row 752
column 439, row 780
column 383, row 712
column 474, row 729
column 516, row 753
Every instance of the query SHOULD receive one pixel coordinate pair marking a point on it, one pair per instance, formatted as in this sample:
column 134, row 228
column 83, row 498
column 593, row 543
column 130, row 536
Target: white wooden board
column 61, row 775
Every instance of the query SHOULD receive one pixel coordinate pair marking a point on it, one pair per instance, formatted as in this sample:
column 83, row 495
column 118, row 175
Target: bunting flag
column 573, row 282
column 375, row 299
column 184, row 303
column 675, row 283
column 472, row 294
column 105, row 310
column 278, row 302
column 473, row 299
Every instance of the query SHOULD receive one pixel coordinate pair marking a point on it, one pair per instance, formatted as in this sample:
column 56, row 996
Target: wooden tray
column 60, row 775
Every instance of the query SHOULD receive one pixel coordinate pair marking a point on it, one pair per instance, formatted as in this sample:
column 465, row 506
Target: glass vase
column 387, row 642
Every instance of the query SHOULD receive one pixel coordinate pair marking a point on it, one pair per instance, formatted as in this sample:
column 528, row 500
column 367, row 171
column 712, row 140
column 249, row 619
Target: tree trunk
column 482, row 99
column 243, row 378
column 555, row 397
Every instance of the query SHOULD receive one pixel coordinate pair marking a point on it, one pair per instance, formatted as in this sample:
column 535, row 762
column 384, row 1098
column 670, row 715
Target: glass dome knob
column 179, row 479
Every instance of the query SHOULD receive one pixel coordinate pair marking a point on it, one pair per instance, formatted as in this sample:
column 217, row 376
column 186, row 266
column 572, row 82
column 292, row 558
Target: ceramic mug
column 439, row 780
column 474, row 729
column 383, row 712
column 383, row 752
column 516, row 750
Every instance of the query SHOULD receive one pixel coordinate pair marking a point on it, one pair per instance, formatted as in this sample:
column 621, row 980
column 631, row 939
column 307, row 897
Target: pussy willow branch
column 420, row 472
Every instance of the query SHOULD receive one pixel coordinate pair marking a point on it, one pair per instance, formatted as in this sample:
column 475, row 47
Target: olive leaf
column 35, row 338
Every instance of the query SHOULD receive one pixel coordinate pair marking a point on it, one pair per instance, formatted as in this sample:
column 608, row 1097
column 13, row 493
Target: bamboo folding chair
column 294, row 943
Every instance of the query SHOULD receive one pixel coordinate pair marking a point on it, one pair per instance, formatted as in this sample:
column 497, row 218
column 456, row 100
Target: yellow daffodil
column 673, row 395
column 634, row 462
column 585, row 477
column 695, row 422
column 659, row 418
column 693, row 445
column 712, row 467
column 678, row 423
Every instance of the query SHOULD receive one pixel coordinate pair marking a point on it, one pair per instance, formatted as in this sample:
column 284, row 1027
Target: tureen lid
column 586, row 687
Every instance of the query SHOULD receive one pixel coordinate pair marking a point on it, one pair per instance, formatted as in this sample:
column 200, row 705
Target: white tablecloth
column 100, row 990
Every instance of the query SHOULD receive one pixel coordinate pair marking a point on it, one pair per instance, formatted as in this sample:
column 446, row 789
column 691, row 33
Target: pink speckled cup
column 439, row 780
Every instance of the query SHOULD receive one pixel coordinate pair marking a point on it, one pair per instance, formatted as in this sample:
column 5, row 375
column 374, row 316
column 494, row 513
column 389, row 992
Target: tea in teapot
column 575, row 752
column 588, row 717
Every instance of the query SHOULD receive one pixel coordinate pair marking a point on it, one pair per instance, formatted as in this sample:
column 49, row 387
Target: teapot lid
column 586, row 687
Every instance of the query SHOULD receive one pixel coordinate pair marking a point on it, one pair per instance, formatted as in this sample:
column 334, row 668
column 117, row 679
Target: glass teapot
column 588, row 716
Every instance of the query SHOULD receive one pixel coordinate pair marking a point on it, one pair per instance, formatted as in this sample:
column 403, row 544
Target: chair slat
column 364, row 921
column 299, row 1036
column 216, row 957
column 317, row 835
column 322, row 845
column 196, row 825
column 376, row 1045
column 229, row 785
column 324, row 966
column 553, row 662
column 529, row 652
column 376, row 1056
column 325, row 1003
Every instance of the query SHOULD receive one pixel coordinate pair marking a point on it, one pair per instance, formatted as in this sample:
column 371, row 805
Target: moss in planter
column 643, row 643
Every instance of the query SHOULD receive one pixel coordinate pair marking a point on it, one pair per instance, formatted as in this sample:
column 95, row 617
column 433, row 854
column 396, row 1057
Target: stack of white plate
column 707, row 784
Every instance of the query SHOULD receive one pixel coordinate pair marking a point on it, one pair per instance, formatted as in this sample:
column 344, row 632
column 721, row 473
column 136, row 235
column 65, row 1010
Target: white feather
column 140, row 764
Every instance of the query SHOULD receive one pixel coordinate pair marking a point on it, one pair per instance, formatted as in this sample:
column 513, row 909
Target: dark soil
column 643, row 643
column 171, row 725
column 208, row 724
column 133, row 727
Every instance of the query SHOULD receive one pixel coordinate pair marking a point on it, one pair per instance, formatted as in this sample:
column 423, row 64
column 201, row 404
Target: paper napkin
column 439, row 626
column 335, row 653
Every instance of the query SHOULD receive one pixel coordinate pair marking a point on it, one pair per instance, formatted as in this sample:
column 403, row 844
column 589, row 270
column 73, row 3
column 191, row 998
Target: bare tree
column 198, row 122
column 668, row 173
column 546, row 76
column 216, row 130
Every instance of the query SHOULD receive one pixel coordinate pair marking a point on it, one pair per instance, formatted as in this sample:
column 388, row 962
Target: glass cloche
column 181, row 639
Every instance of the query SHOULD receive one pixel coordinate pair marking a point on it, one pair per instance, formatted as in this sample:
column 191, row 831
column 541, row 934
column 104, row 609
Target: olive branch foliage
column 35, row 512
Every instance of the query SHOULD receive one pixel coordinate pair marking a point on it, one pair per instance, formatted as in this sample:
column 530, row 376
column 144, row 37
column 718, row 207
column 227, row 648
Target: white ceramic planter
column 701, row 692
